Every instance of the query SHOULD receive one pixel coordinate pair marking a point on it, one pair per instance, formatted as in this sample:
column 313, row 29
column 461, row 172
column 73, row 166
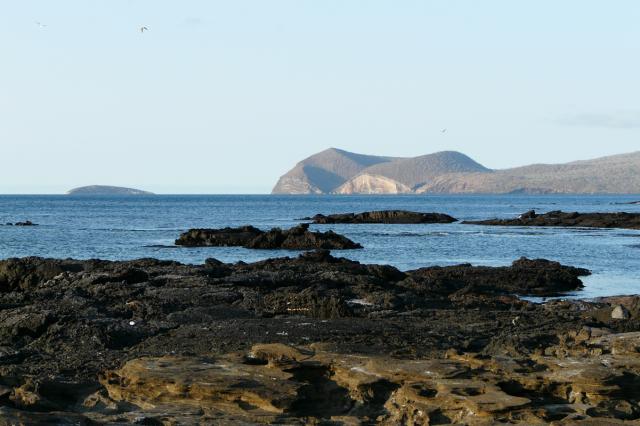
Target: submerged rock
column 296, row 238
column 559, row 218
column 384, row 216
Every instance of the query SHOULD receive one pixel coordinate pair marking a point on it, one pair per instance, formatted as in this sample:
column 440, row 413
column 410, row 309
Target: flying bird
column 41, row 25
column 444, row 130
column 143, row 29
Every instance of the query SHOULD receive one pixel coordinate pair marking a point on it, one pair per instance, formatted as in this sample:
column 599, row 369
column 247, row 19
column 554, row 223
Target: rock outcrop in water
column 25, row 223
column 558, row 218
column 311, row 339
column 106, row 190
column 384, row 216
column 296, row 238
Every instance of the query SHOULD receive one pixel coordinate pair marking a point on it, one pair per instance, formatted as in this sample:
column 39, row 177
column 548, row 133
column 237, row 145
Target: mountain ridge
column 455, row 172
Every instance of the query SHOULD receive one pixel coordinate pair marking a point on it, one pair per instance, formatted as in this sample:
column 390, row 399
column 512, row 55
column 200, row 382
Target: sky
column 226, row 96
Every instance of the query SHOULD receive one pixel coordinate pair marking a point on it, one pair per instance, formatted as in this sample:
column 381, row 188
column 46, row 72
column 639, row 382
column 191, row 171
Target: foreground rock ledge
column 559, row 218
column 276, row 383
column 384, row 216
column 312, row 339
column 296, row 238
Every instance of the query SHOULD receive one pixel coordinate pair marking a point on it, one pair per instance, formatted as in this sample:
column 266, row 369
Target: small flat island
column 107, row 190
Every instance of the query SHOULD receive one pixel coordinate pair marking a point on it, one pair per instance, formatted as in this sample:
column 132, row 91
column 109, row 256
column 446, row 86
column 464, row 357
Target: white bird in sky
column 143, row 29
column 41, row 25
column 444, row 130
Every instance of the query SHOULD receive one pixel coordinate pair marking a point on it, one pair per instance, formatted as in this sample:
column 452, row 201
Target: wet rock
column 25, row 223
column 538, row 277
column 296, row 238
column 559, row 218
column 219, row 237
column 300, row 238
column 531, row 214
column 384, row 216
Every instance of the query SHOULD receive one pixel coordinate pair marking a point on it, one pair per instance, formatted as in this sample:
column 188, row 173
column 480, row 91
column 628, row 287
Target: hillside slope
column 342, row 172
column 323, row 172
column 615, row 174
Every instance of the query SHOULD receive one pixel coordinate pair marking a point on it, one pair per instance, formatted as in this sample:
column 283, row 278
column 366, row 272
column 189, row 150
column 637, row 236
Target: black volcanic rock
column 296, row 238
column 69, row 328
column 225, row 237
column 537, row 277
column 25, row 223
column 559, row 218
column 384, row 216
column 26, row 272
column 300, row 238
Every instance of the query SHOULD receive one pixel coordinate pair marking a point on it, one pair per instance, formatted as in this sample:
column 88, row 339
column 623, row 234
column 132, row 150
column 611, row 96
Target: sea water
column 130, row 227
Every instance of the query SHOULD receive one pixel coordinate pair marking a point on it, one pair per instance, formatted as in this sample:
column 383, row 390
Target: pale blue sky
column 225, row 96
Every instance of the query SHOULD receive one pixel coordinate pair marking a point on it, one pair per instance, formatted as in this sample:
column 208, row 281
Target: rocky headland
column 559, row 218
column 314, row 339
column 384, row 216
column 336, row 171
column 296, row 238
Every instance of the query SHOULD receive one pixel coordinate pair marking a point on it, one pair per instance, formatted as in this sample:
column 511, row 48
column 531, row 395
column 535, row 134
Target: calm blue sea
column 134, row 227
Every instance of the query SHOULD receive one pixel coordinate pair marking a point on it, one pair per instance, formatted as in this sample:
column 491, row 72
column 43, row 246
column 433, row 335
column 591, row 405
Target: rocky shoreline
column 159, row 342
column 559, row 218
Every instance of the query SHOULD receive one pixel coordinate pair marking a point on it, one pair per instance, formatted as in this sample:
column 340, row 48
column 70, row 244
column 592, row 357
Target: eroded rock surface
column 311, row 339
column 296, row 238
column 458, row 388
column 384, row 216
column 559, row 218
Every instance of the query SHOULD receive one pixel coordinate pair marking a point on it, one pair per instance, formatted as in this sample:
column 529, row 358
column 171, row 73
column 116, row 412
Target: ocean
column 130, row 227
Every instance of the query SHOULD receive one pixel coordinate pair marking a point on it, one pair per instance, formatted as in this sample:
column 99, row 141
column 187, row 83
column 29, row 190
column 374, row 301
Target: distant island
column 335, row 171
column 107, row 190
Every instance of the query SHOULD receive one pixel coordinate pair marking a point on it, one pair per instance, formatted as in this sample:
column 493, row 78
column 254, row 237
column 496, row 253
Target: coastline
column 173, row 343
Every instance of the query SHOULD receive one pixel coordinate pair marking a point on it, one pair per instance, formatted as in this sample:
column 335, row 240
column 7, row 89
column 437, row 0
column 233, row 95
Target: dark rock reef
column 310, row 340
column 25, row 223
column 296, row 238
column 633, row 203
column 559, row 218
column 384, row 216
